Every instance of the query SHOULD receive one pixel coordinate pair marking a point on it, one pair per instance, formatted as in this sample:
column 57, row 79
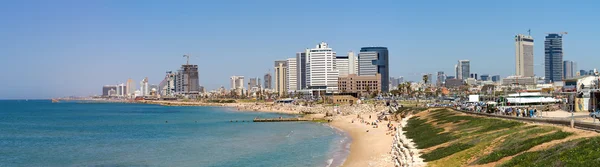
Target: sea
column 78, row 133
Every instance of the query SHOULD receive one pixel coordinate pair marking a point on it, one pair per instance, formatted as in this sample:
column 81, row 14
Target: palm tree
column 425, row 79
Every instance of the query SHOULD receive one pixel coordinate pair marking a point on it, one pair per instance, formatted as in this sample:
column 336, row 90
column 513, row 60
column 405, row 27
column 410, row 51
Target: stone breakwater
column 404, row 151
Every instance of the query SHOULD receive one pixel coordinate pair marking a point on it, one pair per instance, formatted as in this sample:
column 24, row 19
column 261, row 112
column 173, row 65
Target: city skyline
column 88, row 39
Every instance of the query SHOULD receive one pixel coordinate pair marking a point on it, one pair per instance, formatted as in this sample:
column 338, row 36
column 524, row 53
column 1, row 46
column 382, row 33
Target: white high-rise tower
column 322, row 71
column 523, row 55
column 292, row 79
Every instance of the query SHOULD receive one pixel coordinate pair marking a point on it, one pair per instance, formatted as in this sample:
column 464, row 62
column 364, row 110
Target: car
column 595, row 114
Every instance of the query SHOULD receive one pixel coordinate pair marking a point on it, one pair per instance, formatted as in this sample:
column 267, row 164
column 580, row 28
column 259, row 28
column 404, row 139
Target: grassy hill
column 451, row 138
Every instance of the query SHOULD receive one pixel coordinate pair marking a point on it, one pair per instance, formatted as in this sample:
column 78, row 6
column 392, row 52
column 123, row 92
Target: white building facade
column 291, row 73
column 322, row 72
column 524, row 55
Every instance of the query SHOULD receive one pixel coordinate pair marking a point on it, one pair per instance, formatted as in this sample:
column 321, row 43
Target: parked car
column 595, row 114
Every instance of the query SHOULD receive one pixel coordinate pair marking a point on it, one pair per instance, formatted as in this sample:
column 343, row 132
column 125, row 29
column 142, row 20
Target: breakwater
column 404, row 150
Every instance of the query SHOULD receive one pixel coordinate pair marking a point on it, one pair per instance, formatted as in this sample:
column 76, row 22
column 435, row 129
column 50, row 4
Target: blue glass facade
column 382, row 63
column 553, row 59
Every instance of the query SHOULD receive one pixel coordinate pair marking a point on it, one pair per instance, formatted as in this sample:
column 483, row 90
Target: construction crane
column 188, row 59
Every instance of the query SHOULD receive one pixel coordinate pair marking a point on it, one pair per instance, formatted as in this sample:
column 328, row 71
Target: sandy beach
column 367, row 148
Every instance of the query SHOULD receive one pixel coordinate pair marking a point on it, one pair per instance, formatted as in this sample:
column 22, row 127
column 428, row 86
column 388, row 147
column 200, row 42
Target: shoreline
column 370, row 148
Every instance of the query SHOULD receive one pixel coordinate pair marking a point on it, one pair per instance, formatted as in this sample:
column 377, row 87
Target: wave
column 340, row 150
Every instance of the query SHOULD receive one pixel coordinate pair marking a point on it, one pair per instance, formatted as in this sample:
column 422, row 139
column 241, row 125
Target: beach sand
column 367, row 148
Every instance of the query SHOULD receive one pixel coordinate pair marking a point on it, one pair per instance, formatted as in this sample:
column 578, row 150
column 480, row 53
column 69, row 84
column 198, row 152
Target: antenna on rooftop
column 529, row 32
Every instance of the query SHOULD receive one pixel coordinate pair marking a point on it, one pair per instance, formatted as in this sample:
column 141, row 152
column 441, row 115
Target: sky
column 64, row 48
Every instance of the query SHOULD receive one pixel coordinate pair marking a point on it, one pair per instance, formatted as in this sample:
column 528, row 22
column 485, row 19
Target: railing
column 557, row 121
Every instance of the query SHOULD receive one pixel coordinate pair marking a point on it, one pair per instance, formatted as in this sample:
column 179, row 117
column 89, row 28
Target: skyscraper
column 268, row 83
column 280, row 77
column 321, row 68
column 569, row 69
column 186, row 80
column 253, row 83
column 130, row 86
column 352, row 63
column 292, row 80
column 342, row 65
column 144, row 89
column 524, row 55
column 463, row 69
column 457, row 72
column 167, row 85
column 237, row 82
column 553, row 60
column 106, row 89
column 301, row 58
column 372, row 61
column 441, row 78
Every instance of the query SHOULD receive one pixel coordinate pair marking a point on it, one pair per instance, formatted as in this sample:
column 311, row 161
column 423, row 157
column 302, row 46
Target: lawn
column 468, row 136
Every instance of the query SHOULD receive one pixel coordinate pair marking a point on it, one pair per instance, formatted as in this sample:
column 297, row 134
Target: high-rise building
column 372, row 61
column 485, row 77
column 187, row 81
column 496, row 78
column 268, row 82
column 106, row 89
column 237, row 82
column 463, row 69
column 569, row 69
column 553, row 50
column 322, row 71
column 429, row 79
column 301, row 61
column 393, row 83
column 144, row 87
column 524, row 55
column 342, row 65
column 352, row 63
column 130, row 86
column 121, row 90
column 457, row 72
column 253, row 83
column 441, row 78
column 167, row 85
column 292, row 79
column 280, row 77
column 400, row 79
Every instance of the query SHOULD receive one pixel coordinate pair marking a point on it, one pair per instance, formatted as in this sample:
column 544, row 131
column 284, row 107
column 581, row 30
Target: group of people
column 521, row 111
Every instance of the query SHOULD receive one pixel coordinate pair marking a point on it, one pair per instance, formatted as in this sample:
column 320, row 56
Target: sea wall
column 404, row 151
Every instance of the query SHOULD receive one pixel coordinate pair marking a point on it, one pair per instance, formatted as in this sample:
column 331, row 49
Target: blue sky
column 62, row 48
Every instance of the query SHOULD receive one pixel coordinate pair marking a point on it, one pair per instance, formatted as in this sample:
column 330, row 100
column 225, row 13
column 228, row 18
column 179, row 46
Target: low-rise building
column 364, row 85
column 454, row 83
column 519, row 80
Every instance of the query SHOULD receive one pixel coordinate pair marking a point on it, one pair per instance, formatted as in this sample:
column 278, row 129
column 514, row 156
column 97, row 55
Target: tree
column 368, row 89
column 425, row 79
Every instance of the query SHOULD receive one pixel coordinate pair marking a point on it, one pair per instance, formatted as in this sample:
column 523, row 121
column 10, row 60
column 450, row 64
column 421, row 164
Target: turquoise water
column 41, row 133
